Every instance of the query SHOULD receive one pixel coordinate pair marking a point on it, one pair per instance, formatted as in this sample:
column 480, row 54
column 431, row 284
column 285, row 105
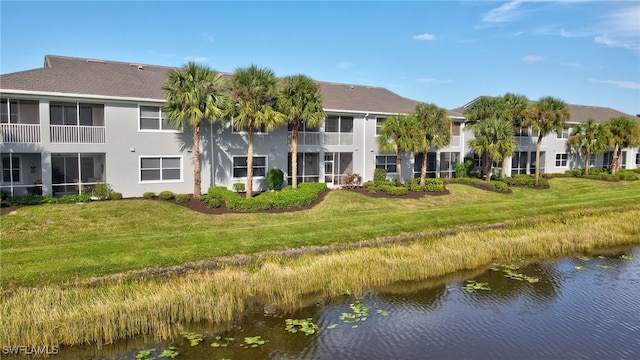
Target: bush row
column 390, row 187
column 602, row 174
column 523, row 180
column 286, row 198
column 494, row 185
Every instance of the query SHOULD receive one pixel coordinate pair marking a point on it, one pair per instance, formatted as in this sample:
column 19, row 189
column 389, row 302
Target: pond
column 574, row 308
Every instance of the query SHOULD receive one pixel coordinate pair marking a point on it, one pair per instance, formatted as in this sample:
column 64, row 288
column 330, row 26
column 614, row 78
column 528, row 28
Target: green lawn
column 51, row 244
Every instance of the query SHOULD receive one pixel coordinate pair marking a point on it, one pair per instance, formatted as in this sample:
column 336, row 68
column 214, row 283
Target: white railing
column 307, row 138
column 72, row 134
column 20, row 133
column 338, row 138
column 529, row 141
column 21, row 190
column 455, row 141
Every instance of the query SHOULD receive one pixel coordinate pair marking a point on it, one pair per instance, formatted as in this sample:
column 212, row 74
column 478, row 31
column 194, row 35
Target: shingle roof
column 69, row 75
column 579, row 113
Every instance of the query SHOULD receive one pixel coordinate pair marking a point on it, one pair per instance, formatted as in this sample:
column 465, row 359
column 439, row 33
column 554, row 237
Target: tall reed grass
column 107, row 311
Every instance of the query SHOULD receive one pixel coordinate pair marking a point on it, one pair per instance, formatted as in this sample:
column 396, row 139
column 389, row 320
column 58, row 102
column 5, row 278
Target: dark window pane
column 148, row 124
column 150, row 163
column 149, row 175
column 171, row 174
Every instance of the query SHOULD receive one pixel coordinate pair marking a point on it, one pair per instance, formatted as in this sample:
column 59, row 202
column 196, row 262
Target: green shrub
column 165, row 195
column 304, row 195
column 211, row 202
column 434, row 185
column 29, row 199
column 369, row 185
column 379, row 175
column 574, row 172
column 182, row 198
column 628, row 175
column 501, row 186
column 238, row 187
column 480, row 184
column 115, row 196
column 221, row 193
column 149, row 195
column 75, row 198
column 465, row 168
column 397, row 191
column 524, row 180
column 102, row 191
column 275, row 179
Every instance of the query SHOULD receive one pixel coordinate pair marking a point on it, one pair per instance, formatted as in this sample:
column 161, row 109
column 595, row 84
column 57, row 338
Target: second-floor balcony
column 20, row 133
column 307, row 138
column 335, row 138
column 78, row 134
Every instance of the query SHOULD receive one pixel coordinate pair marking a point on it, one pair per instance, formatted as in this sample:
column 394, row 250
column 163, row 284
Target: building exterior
column 76, row 122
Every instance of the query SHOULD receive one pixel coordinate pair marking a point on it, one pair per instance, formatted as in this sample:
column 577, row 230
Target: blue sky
column 445, row 52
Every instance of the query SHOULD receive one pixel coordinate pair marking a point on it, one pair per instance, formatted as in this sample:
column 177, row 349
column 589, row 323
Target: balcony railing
column 72, row 134
column 338, row 138
column 20, row 133
column 307, row 138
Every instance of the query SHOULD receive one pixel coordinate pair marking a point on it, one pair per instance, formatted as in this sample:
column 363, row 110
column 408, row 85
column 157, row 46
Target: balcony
column 334, row 138
column 306, row 138
column 74, row 134
column 20, row 133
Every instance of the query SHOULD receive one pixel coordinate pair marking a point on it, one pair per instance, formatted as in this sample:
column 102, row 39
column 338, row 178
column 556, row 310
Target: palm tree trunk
column 294, row 155
column 538, row 144
column 196, row 162
column 586, row 162
column 423, row 171
column 505, row 163
column 487, row 165
column 250, row 163
column 488, row 179
column 399, row 165
column 615, row 162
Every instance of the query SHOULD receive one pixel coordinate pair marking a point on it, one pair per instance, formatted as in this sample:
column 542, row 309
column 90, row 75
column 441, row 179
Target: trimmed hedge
column 182, row 198
column 494, row 185
column 287, row 198
column 115, row 196
column 523, row 180
column 75, row 198
column 149, row 195
column 166, row 195
column 434, row 185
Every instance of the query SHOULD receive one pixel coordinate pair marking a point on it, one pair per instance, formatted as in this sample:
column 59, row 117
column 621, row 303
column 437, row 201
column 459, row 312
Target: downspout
column 364, row 146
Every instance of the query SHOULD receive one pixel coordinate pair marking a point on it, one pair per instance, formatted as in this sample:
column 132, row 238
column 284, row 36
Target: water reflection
column 579, row 308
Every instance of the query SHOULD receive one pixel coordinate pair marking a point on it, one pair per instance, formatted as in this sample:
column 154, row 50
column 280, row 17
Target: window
column 339, row 124
column 303, row 127
column 74, row 114
column 379, row 122
column 240, row 166
column 8, row 111
column 431, row 165
column 638, row 158
column 561, row 160
column 623, row 160
column 455, row 129
column 387, row 162
column 11, row 168
column 592, row 160
column 161, row 168
column 532, row 166
column 607, row 159
column 521, row 131
column 519, row 162
column 448, row 161
column 152, row 118
column 566, row 132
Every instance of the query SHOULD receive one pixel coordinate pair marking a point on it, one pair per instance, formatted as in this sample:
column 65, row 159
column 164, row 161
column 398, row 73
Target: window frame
column 565, row 133
column 386, row 163
column 162, row 121
column 233, row 166
column 8, row 115
column 12, row 168
column 379, row 121
column 160, row 168
column 562, row 160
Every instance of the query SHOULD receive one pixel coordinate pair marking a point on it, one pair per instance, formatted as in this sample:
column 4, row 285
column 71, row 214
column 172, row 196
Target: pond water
column 575, row 308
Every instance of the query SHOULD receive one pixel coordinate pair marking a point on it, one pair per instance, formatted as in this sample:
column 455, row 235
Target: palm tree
column 484, row 108
column 624, row 133
column 254, row 92
column 515, row 109
column 435, row 130
column 589, row 138
column 547, row 115
column 194, row 94
column 493, row 137
column 301, row 102
column 402, row 133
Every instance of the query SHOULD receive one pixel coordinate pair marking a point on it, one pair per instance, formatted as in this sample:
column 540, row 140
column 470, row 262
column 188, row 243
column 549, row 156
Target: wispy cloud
column 619, row 83
column 345, row 65
column 209, row 37
column 621, row 28
column 504, row 13
column 425, row 36
column 532, row 58
column 434, row 81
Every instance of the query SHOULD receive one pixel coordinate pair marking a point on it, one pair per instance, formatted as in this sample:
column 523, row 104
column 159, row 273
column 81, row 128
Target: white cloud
column 425, row 36
column 621, row 28
column 532, row 58
column 345, row 65
column 504, row 13
column 434, row 81
column 618, row 83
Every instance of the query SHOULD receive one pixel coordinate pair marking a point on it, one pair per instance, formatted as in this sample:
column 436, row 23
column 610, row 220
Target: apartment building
column 76, row 122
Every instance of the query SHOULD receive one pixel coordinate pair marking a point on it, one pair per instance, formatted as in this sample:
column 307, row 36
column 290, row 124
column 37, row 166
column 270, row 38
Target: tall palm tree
column 254, row 92
column 194, row 94
column 547, row 115
column 402, row 133
column 516, row 110
column 494, row 137
column 484, row 108
column 589, row 138
column 624, row 133
column 301, row 102
column 435, row 130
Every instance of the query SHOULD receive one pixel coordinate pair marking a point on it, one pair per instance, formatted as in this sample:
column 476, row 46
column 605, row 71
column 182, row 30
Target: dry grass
column 112, row 310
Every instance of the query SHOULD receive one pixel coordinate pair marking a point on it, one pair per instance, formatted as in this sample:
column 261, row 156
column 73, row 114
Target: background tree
column 194, row 94
column 547, row 115
column 589, row 138
column 494, row 137
column 484, row 108
column 254, row 93
column 624, row 133
column 515, row 109
column 399, row 132
column 301, row 102
column 434, row 128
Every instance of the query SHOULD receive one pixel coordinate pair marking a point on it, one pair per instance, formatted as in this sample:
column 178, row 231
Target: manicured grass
column 53, row 244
